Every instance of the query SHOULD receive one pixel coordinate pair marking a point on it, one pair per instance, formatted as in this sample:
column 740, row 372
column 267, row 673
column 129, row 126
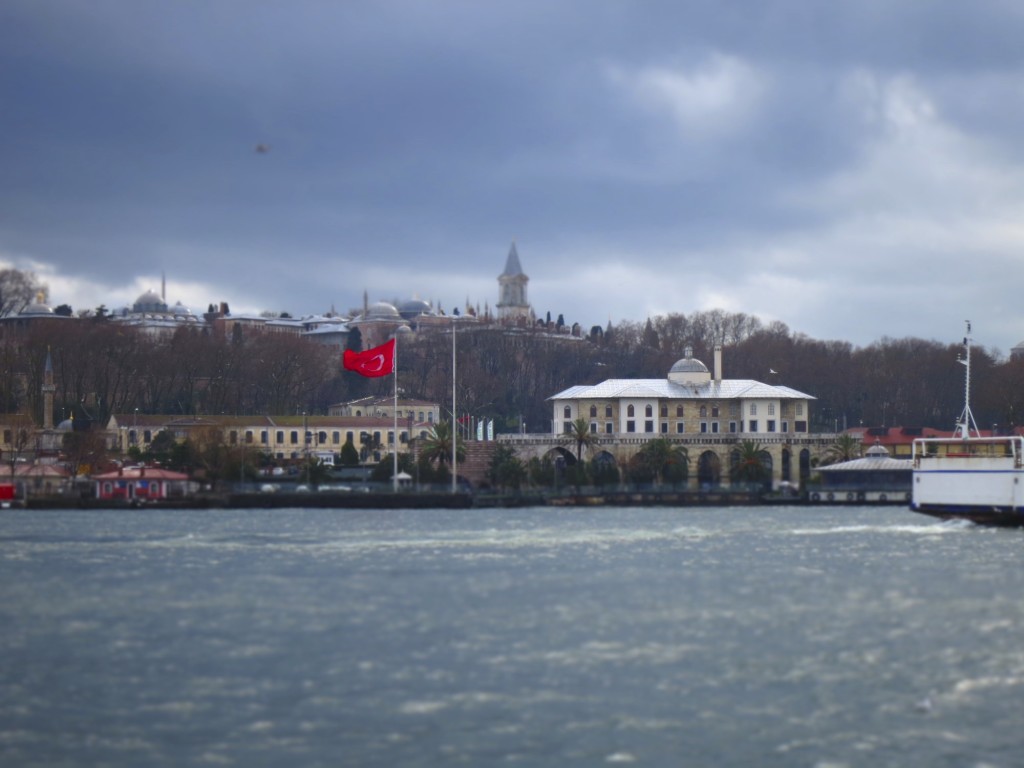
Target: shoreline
column 438, row 500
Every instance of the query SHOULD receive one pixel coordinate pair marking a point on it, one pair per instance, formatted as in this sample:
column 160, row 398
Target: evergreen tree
column 349, row 455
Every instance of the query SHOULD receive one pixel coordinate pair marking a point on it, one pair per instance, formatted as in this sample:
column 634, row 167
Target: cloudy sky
column 854, row 170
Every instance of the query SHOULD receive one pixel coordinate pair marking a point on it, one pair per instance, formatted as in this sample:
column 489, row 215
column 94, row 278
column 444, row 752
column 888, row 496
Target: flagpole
column 394, row 444
column 455, row 438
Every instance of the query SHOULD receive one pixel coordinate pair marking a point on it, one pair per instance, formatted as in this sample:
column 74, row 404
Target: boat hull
column 1007, row 518
column 981, row 481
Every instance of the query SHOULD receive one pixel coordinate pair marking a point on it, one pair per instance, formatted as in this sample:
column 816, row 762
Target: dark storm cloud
column 777, row 158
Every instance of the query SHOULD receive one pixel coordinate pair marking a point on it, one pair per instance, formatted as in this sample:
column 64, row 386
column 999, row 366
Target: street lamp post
column 455, row 440
column 305, row 446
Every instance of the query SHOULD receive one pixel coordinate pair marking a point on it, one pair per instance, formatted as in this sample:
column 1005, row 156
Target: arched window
column 593, row 411
column 567, row 412
column 679, row 411
column 630, row 411
column 648, row 411
column 703, row 411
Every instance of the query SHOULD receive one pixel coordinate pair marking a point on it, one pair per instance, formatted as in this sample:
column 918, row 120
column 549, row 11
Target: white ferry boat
column 968, row 476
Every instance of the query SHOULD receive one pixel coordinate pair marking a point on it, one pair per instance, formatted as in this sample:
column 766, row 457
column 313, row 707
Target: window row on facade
column 708, row 418
column 286, row 443
column 680, row 410
column 704, row 427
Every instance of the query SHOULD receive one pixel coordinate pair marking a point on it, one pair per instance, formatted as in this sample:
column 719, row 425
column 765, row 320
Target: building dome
column 149, row 302
column 688, row 365
column 36, row 309
column 180, row 310
column 689, row 370
column 382, row 311
column 414, row 308
column 877, row 451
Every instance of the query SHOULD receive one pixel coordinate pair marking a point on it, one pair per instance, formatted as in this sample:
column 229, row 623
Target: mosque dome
column 689, row 370
column 36, row 309
column 149, row 302
column 382, row 311
column 414, row 308
column 180, row 310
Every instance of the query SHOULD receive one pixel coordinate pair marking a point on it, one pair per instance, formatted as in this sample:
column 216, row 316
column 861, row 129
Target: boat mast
column 966, row 423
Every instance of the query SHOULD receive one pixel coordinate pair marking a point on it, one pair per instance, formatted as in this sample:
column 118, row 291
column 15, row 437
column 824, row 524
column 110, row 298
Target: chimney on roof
column 718, row 363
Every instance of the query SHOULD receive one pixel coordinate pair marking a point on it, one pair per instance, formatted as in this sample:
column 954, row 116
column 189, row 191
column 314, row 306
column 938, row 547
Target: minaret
column 48, row 390
column 512, row 282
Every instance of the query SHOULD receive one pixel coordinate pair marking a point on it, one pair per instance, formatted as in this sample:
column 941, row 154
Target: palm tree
column 578, row 432
column 748, row 463
column 437, row 446
column 371, row 444
column 505, row 469
column 845, row 448
column 665, row 459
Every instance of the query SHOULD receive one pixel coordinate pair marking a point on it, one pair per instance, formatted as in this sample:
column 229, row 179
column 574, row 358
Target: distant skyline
column 852, row 170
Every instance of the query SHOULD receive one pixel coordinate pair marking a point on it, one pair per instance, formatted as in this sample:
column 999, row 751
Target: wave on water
column 927, row 529
column 487, row 542
column 693, row 533
column 505, row 539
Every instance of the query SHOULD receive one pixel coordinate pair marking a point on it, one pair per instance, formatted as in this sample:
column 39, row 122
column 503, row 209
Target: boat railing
column 928, row 448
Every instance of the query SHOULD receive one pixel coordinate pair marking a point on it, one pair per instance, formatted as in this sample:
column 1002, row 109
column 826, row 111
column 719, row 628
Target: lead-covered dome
column 689, row 370
column 413, row 308
column 149, row 301
column 382, row 311
column 36, row 309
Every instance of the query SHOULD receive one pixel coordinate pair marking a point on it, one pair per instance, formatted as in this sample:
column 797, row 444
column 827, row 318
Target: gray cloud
column 849, row 169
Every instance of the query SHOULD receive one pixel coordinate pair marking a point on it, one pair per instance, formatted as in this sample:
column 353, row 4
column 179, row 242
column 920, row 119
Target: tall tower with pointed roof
column 512, row 303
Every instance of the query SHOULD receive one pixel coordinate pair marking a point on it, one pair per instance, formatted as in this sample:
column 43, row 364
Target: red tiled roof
column 136, row 473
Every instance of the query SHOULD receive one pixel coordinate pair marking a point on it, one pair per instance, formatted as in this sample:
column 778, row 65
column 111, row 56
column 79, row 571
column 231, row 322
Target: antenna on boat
column 966, row 423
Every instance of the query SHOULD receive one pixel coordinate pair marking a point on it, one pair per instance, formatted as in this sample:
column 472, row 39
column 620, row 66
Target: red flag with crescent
column 377, row 361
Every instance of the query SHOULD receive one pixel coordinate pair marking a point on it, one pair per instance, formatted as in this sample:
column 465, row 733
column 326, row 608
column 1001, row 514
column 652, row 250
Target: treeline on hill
column 101, row 367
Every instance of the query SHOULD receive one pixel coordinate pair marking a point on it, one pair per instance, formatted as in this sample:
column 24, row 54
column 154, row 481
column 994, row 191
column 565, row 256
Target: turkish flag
column 378, row 361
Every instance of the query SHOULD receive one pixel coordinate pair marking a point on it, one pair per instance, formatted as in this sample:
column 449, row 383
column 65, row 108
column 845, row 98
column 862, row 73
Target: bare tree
column 18, row 289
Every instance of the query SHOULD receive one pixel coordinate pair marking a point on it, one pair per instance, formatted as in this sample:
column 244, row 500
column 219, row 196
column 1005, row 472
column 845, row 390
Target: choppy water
column 718, row 637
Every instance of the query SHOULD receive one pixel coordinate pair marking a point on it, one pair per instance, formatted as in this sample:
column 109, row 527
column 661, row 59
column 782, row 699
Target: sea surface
column 821, row 637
